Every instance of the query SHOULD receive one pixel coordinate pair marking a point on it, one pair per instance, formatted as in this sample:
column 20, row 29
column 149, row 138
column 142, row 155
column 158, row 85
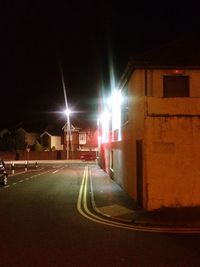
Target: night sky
column 84, row 36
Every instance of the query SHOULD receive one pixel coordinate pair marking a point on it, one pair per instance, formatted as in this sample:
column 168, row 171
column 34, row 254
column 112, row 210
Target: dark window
column 176, row 86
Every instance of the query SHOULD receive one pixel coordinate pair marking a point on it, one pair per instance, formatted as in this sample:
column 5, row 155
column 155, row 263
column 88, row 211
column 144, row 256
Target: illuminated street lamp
column 67, row 111
column 111, row 113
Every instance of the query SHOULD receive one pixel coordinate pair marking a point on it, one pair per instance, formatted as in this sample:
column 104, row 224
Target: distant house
column 149, row 135
column 88, row 140
column 29, row 137
column 61, row 143
column 51, row 141
column 80, row 139
column 5, row 140
column 4, row 132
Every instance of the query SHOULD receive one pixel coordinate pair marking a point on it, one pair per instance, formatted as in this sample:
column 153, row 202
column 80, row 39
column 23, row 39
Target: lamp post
column 67, row 112
column 27, row 162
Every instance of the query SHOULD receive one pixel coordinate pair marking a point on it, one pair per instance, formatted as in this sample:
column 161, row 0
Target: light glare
column 67, row 112
column 105, row 116
column 116, row 109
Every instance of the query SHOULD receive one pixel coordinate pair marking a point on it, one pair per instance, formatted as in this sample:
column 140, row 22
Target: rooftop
column 184, row 51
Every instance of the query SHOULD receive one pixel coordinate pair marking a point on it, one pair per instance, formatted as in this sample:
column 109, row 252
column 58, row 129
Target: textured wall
column 124, row 152
column 170, row 132
column 172, row 157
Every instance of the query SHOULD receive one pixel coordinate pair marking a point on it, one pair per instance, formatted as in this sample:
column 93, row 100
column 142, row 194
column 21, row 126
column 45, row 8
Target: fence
column 45, row 155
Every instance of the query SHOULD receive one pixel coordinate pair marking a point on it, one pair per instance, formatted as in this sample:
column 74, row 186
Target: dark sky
column 82, row 35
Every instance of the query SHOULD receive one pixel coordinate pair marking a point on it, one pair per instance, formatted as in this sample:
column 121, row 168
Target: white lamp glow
column 67, row 112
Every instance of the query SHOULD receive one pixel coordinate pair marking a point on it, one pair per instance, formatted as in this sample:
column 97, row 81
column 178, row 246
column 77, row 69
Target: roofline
column 131, row 66
column 45, row 132
column 151, row 66
column 21, row 128
column 52, row 135
column 72, row 127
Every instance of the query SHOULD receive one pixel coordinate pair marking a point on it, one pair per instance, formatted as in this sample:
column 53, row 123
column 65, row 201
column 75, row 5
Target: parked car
column 3, row 173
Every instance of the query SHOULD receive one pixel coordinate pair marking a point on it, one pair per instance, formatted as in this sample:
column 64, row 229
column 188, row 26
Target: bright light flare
column 116, row 101
column 67, row 112
column 105, row 117
column 111, row 116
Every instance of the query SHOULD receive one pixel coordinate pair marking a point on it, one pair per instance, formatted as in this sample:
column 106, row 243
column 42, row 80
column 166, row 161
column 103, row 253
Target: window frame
column 184, row 79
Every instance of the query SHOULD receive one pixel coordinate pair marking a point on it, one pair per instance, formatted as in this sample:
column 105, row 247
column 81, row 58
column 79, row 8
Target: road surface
column 41, row 225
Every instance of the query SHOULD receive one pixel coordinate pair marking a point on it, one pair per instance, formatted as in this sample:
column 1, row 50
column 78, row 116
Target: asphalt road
column 41, row 226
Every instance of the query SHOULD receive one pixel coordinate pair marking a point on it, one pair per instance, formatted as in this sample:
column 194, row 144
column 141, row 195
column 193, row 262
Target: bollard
column 36, row 165
column 25, row 166
column 13, row 168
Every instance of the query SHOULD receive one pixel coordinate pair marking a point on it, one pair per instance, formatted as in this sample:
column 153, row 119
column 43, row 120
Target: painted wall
column 171, row 144
column 170, row 131
column 124, row 152
column 172, row 154
column 56, row 142
column 173, row 106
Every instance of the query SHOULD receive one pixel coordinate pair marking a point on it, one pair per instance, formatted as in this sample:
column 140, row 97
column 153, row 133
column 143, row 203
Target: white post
column 13, row 168
column 68, row 137
column 25, row 166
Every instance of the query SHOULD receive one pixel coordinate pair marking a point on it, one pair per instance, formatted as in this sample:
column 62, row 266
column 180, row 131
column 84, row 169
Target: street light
column 67, row 111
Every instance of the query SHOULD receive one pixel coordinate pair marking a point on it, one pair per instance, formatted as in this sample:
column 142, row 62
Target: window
column 176, row 86
column 82, row 138
column 124, row 106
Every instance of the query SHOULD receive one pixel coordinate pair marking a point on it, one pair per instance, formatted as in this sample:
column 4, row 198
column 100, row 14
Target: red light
column 178, row 71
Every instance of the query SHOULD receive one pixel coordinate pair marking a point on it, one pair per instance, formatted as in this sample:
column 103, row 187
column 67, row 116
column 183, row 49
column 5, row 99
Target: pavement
column 111, row 201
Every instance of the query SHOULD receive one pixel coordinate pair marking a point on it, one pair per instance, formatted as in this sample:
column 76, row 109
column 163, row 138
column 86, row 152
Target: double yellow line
column 82, row 207
column 82, row 200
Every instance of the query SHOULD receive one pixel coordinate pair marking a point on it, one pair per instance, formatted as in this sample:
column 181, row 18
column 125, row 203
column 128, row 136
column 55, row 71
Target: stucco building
column 51, row 140
column 149, row 143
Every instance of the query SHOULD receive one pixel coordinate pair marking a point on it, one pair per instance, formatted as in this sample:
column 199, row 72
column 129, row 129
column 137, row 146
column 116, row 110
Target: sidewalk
column 110, row 200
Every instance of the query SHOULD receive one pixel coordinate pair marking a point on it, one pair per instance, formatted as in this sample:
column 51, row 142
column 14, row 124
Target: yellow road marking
column 82, row 201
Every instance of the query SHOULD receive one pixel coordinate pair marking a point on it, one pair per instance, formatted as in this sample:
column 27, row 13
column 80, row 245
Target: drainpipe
column 146, row 88
column 145, row 80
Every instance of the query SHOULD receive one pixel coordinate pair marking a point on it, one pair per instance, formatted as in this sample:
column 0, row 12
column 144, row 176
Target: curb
column 108, row 216
column 143, row 224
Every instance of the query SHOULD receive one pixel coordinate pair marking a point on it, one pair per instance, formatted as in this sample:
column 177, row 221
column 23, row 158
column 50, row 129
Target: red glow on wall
column 178, row 72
